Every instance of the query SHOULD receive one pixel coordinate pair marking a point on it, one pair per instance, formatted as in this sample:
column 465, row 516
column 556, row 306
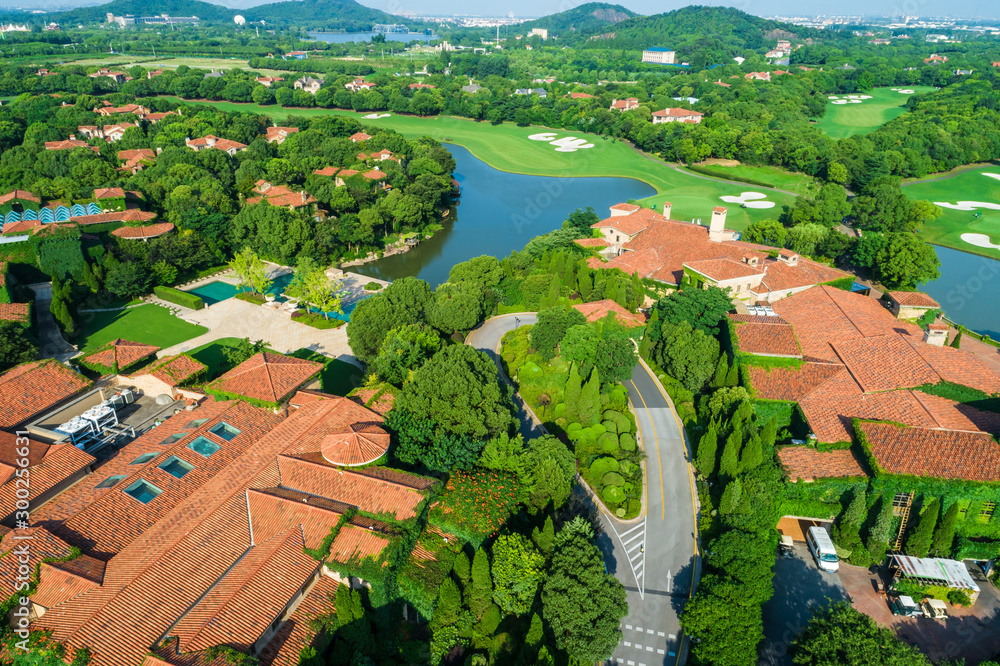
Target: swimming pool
column 217, row 291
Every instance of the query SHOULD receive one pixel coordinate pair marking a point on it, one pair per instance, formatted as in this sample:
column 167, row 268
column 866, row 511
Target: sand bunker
column 759, row 204
column 749, row 200
column 980, row 240
column 992, row 175
column 968, row 205
column 906, row 92
column 839, row 101
column 375, row 116
column 567, row 144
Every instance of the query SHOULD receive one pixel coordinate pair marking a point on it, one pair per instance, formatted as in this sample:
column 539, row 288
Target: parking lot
column 972, row 634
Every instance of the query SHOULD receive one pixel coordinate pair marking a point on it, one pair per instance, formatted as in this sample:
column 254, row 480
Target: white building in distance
column 659, row 55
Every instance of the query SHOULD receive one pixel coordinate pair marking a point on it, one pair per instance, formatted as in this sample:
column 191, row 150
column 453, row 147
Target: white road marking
column 638, row 534
column 631, row 663
column 672, row 637
column 628, row 626
column 670, row 582
column 649, row 648
column 638, row 629
column 660, row 633
column 638, row 647
column 627, row 644
column 649, row 631
column 657, row 652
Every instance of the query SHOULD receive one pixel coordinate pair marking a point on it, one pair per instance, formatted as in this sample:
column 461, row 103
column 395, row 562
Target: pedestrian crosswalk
column 644, row 646
column 633, row 541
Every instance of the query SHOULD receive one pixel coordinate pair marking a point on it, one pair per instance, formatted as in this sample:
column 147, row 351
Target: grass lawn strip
column 970, row 186
column 844, row 120
column 507, row 147
column 149, row 324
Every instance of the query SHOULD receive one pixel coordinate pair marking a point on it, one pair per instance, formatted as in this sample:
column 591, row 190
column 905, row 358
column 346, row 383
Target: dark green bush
column 183, row 298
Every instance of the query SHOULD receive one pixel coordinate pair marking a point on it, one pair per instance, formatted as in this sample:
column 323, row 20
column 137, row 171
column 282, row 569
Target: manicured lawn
column 507, row 147
column 970, row 186
column 844, row 120
column 337, row 377
column 799, row 183
column 212, row 355
column 150, row 324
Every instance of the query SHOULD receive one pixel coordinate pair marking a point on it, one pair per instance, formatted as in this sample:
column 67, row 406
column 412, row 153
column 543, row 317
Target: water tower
column 239, row 20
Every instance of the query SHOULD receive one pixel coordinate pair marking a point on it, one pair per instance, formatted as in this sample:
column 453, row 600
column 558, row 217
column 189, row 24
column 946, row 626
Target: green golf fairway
column 844, row 120
column 970, row 186
column 507, row 147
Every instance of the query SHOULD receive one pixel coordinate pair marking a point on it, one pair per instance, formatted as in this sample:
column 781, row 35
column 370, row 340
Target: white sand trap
column 855, row 101
column 759, row 204
column 852, row 96
column 968, row 205
column 980, row 240
column 749, row 199
column 833, row 97
column 544, row 136
column 864, row 96
column 992, row 175
column 375, row 116
column 906, row 92
column 839, row 101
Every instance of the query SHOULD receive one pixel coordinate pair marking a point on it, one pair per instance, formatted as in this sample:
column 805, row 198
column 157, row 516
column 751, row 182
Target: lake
column 344, row 37
column 968, row 290
column 498, row 213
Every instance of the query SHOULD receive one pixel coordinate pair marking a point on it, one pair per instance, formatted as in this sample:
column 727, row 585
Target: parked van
column 821, row 547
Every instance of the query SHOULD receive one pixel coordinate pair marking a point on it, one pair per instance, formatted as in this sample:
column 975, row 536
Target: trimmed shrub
column 613, row 494
column 611, row 427
column 183, row 298
column 613, row 479
column 608, row 443
column 602, row 466
column 626, row 442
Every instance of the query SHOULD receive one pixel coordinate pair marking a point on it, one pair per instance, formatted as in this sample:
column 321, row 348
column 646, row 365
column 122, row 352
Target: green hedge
column 844, row 283
column 976, row 550
column 739, row 179
column 808, row 508
column 184, row 298
column 60, row 257
column 963, row 394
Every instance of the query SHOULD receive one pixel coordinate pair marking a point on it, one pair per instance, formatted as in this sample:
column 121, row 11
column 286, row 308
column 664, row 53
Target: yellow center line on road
column 656, row 441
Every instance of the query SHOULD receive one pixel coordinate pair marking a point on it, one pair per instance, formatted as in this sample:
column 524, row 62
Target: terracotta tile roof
column 723, row 269
column 359, row 136
column 49, row 466
column 382, row 405
column 277, row 132
column 791, row 384
column 957, row 366
column 326, row 171
column 120, row 354
column 677, row 113
column 69, row 144
column 355, row 444
column 59, row 582
column 22, row 227
column 765, row 336
column 145, row 231
column 109, row 193
column 580, row 95
column 592, row 242
column 39, row 544
column 884, row 362
column 14, row 311
column 130, row 215
column 943, row 454
column 418, row 86
column 952, row 415
column 266, row 578
column 371, row 494
column 32, row 388
column 645, row 263
column 779, row 276
column 267, row 376
column 630, row 224
column 374, row 174
column 175, row 370
column 631, row 208
column 134, row 158
column 23, row 195
column 600, row 309
column 212, row 141
column 297, row 632
column 806, row 463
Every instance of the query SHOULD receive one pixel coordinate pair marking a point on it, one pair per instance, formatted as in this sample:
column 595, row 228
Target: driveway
column 655, row 556
column 233, row 318
column 799, row 586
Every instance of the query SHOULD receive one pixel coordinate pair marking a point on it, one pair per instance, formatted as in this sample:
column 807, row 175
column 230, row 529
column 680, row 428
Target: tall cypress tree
column 731, row 497
column 546, row 537
column 730, row 464
column 878, row 537
column 463, row 572
column 589, row 410
column 770, row 432
column 638, row 292
column 708, row 448
column 721, row 370
column 753, row 455
column 919, row 542
column 944, row 535
column 574, row 385
column 449, row 605
column 584, row 283
column 957, row 342
column 482, row 584
column 733, row 378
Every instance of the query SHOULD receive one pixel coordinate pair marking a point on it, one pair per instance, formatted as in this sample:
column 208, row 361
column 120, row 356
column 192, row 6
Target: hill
column 317, row 14
column 700, row 35
column 588, row 18
column 206, row 11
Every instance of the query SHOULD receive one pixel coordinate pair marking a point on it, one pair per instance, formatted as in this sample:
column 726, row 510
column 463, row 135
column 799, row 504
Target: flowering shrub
column 475, row 504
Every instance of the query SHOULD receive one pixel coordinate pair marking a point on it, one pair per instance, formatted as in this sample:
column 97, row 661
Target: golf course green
column 508, row 147
column 966, row 189
column 846, row 117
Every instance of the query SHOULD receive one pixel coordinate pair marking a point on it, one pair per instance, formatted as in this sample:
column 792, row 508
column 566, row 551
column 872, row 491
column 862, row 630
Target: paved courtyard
column 233, row 318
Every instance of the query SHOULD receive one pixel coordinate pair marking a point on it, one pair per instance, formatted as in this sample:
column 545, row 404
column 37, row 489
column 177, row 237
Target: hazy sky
column 971, row 8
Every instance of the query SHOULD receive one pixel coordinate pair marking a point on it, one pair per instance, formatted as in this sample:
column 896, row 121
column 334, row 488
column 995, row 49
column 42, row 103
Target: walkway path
column 53, row 344
column 233, row 318
column 655, row 557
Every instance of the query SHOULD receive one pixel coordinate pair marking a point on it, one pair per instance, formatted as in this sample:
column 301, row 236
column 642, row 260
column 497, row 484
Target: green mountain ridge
column 586, row 18
column 316, row 14
column 205, row 11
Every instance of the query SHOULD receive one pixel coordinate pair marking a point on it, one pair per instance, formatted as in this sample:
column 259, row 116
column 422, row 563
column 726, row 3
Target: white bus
column 821, row 547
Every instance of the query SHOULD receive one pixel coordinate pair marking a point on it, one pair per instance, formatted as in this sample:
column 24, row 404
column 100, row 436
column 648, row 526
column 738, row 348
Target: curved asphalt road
column 655, row 557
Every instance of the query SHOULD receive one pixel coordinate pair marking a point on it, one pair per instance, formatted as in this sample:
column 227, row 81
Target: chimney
column 303, row 196
column 159, row 150
column 936, row 334
column 72, row 137
column 666, row 209
column 717, row 229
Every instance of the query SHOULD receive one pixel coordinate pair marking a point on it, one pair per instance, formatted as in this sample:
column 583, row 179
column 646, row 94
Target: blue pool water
column 215, row 292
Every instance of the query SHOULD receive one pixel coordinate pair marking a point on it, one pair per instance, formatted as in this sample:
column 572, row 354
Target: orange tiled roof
column 133, row 158
column 69, row 144
column 913, row 299
column 14, row 311
column 630, row 224
column 296, row 632
column 382, row 405
column 723, row 269
column 677, row 113
column 267, row 376
column 61, row 581
column 600, row 309
column 121, row 354
column 374, row 174
column 884, row 362
column 175, row 370
column 23, row 195
column 326, row 171
column 32, row 388
column 808, row 464
column 277, row 132
column 580, row 95
column 49, row 466
column 943, row 454
column 109, row 193
column 765, row 336
column 147, row 231
column 355, row 444
column 43, row 545
column 592, row 242
column 359, row 136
